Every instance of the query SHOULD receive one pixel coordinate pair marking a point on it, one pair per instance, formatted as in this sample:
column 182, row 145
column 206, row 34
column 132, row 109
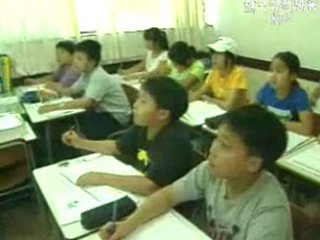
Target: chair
column 15, row 168
column 131, row 92
column 304, row 226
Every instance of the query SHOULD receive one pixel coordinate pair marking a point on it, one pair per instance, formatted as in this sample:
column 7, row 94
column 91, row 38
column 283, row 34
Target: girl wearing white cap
column 226, row 81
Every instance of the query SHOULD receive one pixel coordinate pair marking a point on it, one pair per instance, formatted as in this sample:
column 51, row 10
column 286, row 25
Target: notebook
column 308, row 159
column 198, row 111
column 12, row 127
column 295, row 140
column 167, row 226
column 10, row 104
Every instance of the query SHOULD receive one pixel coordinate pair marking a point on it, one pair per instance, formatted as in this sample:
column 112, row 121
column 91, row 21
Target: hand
column 45, row 95
column 112, row 232
column 48, row 108
column 30, row 81
column 121, row 72
column 52, row 86
column 90, row 179
column 70, row 138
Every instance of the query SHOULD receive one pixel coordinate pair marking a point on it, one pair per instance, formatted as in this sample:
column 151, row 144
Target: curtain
column 29, row 29
column 190, row 21
column 119, row 24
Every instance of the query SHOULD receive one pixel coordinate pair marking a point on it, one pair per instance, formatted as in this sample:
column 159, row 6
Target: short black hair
column 91, row 48
column 157, row 36
column 291, row 60
column 168, row 95
column 181, row 53
column 261, row 132
column 66, row 45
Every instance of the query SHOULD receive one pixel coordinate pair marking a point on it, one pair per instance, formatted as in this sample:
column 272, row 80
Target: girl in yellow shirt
column 226, row 81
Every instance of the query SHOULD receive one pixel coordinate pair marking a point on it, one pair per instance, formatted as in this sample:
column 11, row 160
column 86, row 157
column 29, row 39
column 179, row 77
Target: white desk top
column 198, row 111
column 168, row 226
column 304, row 162
column 19, row 91
column 55, row 190
column 36, row 117
column 25, row 134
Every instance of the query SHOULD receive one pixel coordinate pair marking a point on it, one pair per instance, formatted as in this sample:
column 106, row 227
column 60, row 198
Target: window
column 108, row 16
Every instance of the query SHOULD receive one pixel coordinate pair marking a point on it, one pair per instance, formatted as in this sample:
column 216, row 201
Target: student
column 184, row 68
column 102, row 95
column 157, row 53
column 283, row 96
column 226, row 81
column 157, row 144
column 243, row 200
column 65, row 75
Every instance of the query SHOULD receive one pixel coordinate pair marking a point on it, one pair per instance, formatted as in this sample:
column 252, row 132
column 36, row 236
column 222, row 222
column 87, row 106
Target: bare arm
column 160, row 71
column 135, row 184
column 236, row 99
column 159, row 203
column 74, row 104
column 139, row 67
column 304, row 126
column 34, row 81
column 196, row 95
column 189, row 82
column 107, row 147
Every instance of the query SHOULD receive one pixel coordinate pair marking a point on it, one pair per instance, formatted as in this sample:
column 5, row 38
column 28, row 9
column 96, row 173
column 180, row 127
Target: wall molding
column 305, row 73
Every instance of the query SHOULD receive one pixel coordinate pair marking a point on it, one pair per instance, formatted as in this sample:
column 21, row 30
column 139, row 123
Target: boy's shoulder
column 175, row 131
column 269, row 192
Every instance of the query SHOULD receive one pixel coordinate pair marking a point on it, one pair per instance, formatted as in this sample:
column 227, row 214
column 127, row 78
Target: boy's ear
column 254, row 164
column 293, row 76
column 164, row 114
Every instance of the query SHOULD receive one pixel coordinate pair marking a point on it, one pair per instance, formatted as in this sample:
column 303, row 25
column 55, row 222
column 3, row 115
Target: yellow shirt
column 222, row 87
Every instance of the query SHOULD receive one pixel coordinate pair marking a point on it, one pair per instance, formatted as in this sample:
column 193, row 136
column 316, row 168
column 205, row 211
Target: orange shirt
column 222, row 87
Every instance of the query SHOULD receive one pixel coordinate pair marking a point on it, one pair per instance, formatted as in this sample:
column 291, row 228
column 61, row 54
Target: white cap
column 224, row 44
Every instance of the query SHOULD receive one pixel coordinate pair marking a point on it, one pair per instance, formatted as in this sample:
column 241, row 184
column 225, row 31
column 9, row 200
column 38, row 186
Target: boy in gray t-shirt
column 243, row 200
column 101, row 94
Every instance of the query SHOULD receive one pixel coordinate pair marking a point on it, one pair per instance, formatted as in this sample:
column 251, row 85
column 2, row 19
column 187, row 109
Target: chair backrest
column 300, row 222
column 131, row 92
column 316, row 124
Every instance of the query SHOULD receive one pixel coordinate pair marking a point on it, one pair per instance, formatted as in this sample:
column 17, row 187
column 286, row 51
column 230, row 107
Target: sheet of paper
column 198, row 111
column 308, row 159
column 70, row 206
column 167, row 227
column 294, row 139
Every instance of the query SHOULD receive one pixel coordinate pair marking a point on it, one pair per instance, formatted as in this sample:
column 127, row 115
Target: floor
column 15, row 222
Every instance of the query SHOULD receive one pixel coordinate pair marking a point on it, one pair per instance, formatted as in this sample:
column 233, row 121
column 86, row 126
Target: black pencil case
column 97, row 217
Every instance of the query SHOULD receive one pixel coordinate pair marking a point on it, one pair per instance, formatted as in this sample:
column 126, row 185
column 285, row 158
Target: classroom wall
column 258, row 38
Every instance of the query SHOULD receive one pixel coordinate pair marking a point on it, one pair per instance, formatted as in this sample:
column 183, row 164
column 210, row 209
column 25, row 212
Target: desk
column 36, row 118
column 304, row 163
column 170, row 226
column 10, row 104
column 23, row 139
column 19, row 91
column 51, row 187
column 198, row 111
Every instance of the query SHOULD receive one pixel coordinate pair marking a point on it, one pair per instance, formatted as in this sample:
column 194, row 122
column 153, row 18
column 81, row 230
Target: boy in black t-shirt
column 157, row 143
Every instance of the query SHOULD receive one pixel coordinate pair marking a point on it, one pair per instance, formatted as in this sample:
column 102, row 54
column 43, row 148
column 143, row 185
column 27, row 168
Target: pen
column 112, row 228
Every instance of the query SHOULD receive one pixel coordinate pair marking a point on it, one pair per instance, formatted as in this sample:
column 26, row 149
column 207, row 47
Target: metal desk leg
column 48, row 142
